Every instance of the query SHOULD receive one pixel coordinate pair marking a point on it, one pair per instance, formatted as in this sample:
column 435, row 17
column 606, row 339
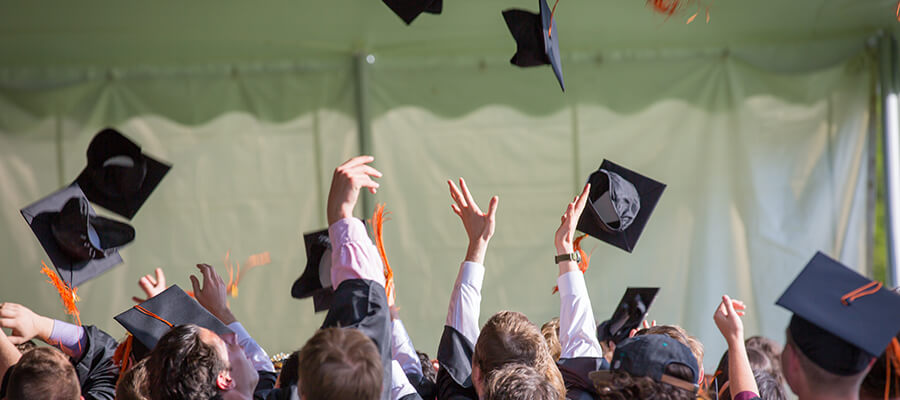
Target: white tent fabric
column 764, row 167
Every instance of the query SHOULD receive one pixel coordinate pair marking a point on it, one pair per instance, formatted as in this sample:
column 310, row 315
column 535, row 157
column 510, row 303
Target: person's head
column 759, row 364
column 772, row 351
column 133, row 384
column 240, row 377
column 678, row 333
column 550, row 330
column 807, row 378
column 515, row 381
column 290, row 370
column 649, row 367
column 43, row 373
column 340, row 363
column 878, row 380
column 188, row 362
column 26, row 346
column 509, row 337
column 769, row 387
column 428, row 369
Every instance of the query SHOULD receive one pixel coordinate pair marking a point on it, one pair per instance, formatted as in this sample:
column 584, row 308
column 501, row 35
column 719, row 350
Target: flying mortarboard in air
column 631, row 311
column 408, row 10
column 118, row 176
column 315, row 281
column 80, row 244
column 842, row 320
column 149, row 321
column 619, row 205
column 537, row 39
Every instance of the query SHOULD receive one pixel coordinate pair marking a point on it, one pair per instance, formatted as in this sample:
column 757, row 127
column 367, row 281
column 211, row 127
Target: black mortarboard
column 841, row 319
column 152, row 319
column 80, row 244
column 316, row 278
column 118, row 176
column 537, row 39
column 408, row 10
column 631, row 311
column 619, row 205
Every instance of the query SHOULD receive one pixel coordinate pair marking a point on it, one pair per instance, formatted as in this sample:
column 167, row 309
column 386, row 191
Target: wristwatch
column 576, row 256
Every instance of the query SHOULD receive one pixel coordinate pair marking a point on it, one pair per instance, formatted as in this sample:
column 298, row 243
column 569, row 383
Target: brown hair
column 290, row 371
column 550, row 330
column 133, row 384
column 340, row 363
column 623, row 386
column 678, row 333
column 183, row 366
column 516, row 381
column 771, row 350
column 824, row 381
column 509, row 337
column 43, row 373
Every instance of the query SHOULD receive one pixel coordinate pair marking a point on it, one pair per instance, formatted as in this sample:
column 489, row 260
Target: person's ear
column 224, row 381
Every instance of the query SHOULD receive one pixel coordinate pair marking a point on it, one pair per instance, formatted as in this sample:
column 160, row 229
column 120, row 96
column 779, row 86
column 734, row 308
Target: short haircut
column 340, row 363
column 772, row 350
column 26, row 346
column 623, row 386
column 762, row 368
column 290, row 371
column 183, row 366
column 132, row 384
column 550, row 330
column 825, row 382
column 518, row 382
column 678, row 333
column 43, row 373
column 509, row 337
column 769, row 387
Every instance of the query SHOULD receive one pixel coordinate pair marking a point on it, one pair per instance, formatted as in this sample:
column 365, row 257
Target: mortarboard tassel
column 378, row 219
column 69, row 296
column 585, row 258
column 234, row 279
column 892, row 359
column 122, row 356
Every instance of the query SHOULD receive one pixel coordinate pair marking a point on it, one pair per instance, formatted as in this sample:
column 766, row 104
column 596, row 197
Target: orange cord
column 68, row 295
column 151, row 314
column 862, row 291
column 378, row 219
column 552, row 11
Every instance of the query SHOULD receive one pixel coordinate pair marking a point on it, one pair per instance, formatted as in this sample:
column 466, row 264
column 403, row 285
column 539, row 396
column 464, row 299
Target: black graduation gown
column 576, row 375
column 454, row 379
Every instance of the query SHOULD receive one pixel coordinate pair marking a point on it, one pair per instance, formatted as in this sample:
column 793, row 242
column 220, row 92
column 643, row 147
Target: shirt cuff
column 571, row 284
column 239, row 331
column 472, row 274
column 746, row 395
column 69, row 338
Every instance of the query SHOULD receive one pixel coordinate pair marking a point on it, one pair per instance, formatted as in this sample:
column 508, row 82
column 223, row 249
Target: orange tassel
column 585, row 258
column 378, row 219
column 122, row 356
column 234, row 278
column 892, row 360
column 69, row 296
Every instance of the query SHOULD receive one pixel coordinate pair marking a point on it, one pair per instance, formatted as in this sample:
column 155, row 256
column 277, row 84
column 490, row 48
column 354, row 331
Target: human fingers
column 195, row 283
column 468, row 195
column 205, row 269
column 582, row 199
column 160, row 277
column 456, row 209
column 16, row 339
column 358, row 160
column 138, row 300
column 738, row 305
column 456, row 195
column 367, row 170
column 492, row 207
column 653, row 323
column 364, row 181
column 728, row 306
column 646, row 324
column 145, row 283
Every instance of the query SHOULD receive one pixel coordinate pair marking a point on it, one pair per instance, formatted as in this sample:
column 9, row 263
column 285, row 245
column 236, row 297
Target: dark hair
column 427, row 368
column 772, row 350
column 874, row 383
column 133, row 384
column 518, row 382
column 26, row 346
column 678, row 333
column 509, row 337
column 769, row 387
column 43, row 373
column 624, row 386
column 290, row 370
column 183, row 366
column 340, row 363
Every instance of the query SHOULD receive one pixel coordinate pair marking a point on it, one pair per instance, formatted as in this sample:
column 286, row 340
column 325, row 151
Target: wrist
column 563, row 248
column 226, row 316
column 567, row 266
column 45, row 328
column 476, row 251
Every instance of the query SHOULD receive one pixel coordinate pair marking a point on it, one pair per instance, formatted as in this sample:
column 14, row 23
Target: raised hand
column 213, row 294
column 151, row 286
column 346, row 183
column 565, row 234
column 479, row 226
column 24, row 323
column 728, row 319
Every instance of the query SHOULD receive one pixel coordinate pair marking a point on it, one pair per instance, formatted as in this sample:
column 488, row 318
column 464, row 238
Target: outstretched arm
column 576, row 318
column 26, row 325
column 9, row 354
column 728, row 320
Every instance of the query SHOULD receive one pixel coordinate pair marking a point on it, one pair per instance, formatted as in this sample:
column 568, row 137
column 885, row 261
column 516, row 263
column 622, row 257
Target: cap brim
column 172, row 305
column 649, row 191
column 868, row 322
column 550, row 35
column 126, row 206
column 39, row 215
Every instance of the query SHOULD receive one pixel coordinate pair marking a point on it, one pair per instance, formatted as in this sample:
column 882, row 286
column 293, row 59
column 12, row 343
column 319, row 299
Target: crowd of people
column 183, row 348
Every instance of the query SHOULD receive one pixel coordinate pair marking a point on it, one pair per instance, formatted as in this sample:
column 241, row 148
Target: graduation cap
column 118, row 176
column 537, row 40
column 619, row 205
column 152, row 319
column 80, row 244
column 629, row 314
column 408, row 10
column 316, row 278
column 841, row 319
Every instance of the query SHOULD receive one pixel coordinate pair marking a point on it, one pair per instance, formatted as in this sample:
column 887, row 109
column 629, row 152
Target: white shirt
column 465, row 300
column 253, row 351
column 577, row 329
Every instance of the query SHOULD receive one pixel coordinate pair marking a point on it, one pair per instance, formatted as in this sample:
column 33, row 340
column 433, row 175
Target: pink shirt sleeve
column 747, row 395
column 353, row 255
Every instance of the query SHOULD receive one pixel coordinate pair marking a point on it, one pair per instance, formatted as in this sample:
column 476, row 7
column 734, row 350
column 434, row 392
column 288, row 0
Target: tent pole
column 361, row 61
column 891, row 144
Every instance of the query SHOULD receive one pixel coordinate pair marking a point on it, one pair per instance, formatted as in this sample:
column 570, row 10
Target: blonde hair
column 550, row 330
